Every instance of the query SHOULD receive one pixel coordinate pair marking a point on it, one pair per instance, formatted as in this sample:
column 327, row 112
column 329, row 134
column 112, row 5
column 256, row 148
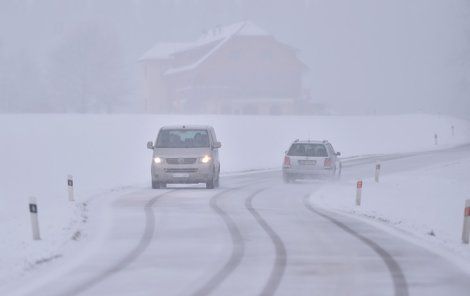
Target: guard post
column 358, row 193
column 33, row 210
column 70, row 187
column 466, row 223
column 377, row 172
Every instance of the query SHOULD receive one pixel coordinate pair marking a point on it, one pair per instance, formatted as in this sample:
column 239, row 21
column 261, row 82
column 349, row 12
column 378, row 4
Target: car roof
column 309, row 142
column 198, row 127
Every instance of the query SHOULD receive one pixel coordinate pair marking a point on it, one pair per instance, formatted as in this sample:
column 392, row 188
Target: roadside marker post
column 377, row 172
column 33, row 210
column 453, row 130
column 359, row 193
column 435, row 139
column 466, row 223
column 70, row 187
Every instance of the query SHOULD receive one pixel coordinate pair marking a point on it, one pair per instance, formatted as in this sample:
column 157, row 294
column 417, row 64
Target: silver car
column 186, row 155
column 310, row 159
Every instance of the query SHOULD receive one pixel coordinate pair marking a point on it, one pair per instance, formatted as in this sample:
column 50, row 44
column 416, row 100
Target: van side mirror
column 338, row 153
column 217, row 145
column 150, row 145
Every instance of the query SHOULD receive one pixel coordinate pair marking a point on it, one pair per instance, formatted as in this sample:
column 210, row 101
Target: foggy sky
column 364, row 56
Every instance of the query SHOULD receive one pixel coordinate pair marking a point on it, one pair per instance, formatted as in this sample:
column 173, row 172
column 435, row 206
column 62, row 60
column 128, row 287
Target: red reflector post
column 359, row 184
column 359, row 193
column 466, row 223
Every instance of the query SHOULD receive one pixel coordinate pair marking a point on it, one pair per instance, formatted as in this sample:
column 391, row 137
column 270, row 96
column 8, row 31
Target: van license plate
column 181, row 175
column 307, row 162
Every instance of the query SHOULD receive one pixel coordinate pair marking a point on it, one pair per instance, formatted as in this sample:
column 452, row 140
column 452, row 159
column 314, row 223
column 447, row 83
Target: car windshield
column 183, row 138
column 304, row 149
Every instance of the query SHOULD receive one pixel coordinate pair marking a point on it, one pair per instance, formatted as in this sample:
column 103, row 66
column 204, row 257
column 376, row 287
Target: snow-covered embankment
column 108, row 151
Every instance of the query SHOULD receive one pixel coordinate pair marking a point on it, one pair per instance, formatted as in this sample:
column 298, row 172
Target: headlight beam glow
column 206, row 159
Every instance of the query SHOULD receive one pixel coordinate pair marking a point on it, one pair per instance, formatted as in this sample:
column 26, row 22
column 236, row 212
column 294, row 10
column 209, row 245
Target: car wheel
column 340, row 169
column 155, row 184
column 214, row 182
column 217, row 181
column 333, row 174
column 210, row 184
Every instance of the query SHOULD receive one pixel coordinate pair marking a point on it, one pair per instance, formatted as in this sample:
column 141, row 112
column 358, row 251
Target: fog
column 234, row 147
column 363, row 56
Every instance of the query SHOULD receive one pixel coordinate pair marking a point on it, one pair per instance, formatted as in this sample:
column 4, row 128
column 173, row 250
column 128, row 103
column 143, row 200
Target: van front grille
column 181, row 160
column 185, row 170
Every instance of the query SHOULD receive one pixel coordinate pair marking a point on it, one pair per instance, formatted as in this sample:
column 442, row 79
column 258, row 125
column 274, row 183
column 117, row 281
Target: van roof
column 311, row 141
column 201, row 127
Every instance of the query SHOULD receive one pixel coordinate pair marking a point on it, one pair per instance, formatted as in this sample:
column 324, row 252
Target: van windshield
column 183, row 138
column 311, row 150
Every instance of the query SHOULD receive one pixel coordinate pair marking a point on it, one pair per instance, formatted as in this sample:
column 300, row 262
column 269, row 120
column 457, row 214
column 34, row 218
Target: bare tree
column 21, row 85
column 87, row 72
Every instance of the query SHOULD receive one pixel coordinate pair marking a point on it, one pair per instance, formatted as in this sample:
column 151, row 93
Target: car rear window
column 183, row 138
column 307, row 149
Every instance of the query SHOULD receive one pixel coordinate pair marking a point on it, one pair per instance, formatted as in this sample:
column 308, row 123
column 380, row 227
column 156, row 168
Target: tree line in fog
column 84, row 73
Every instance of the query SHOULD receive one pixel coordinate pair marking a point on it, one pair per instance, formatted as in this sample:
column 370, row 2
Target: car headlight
column 157, row 160
column 206, row 159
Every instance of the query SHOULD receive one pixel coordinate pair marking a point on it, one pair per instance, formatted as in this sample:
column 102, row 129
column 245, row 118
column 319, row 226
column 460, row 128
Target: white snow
column 109, row 151
column 244, row 28
column 218, row 36
column 201, row 60
column 426, row 203
column 163, row 51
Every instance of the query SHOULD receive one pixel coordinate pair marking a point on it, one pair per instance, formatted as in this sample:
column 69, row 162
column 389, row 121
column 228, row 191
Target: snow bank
column 427, row 203
column 106, row 151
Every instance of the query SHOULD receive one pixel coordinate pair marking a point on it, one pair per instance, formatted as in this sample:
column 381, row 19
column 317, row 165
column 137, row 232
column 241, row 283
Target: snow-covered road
column 253, row 236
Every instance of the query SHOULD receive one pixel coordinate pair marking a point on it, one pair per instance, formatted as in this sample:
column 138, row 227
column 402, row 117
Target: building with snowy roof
column 237, row 69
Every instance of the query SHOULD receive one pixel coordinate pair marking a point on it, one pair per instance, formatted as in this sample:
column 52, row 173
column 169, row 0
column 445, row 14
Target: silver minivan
column 185, row 155
column 310, row 159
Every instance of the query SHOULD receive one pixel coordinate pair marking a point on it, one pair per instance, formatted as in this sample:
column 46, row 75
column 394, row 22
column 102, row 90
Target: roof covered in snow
column 162, row 51
column 214, row 39
column 165, row 50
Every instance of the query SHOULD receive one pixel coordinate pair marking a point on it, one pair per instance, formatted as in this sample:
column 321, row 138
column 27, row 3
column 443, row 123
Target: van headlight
column 206, row 159
column 157, row 160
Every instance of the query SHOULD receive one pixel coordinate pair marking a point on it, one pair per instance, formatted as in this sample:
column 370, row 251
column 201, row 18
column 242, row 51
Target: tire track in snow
column 280, row 261
column 144, row 242
column 400, row 284
column 238, row 244
column 238, row 248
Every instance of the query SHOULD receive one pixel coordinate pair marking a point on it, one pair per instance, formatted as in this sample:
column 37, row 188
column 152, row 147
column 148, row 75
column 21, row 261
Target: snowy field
column 427, row 202
column 106, row 152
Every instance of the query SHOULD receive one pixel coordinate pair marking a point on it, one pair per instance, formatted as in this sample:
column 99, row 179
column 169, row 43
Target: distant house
column 237, row 69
